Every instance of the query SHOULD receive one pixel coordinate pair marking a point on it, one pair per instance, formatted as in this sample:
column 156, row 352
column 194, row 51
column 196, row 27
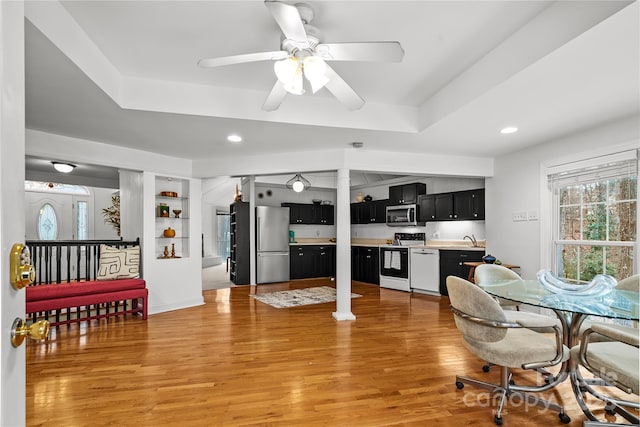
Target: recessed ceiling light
column 508, row 129
column 234, row 138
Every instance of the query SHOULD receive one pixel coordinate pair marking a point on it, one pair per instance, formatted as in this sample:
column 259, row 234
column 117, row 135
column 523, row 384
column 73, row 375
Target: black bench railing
column 63, row 261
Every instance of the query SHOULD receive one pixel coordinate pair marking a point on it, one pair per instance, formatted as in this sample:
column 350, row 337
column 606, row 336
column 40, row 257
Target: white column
column 12, row 203
column 343, row 248
column 252, row 228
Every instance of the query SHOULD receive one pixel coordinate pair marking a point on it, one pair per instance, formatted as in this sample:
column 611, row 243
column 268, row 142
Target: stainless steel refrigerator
column 272, row 244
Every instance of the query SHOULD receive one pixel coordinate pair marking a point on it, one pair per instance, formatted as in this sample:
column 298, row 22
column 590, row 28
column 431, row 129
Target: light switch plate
column 532, row 215
column 519, row 216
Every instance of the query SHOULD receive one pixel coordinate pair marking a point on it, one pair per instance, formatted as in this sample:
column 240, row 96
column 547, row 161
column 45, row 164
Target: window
column 81, row 220
column 223, row 237
column 47, row 223
column 595, row 219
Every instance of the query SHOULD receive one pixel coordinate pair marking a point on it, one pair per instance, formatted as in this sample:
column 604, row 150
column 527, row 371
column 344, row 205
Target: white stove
column 395, row 261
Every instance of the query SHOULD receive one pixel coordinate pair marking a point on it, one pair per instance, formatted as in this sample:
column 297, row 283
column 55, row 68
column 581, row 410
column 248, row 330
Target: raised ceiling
column 125, row 73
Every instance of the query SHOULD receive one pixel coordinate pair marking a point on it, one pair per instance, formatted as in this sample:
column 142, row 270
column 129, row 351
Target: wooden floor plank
column 238, row 362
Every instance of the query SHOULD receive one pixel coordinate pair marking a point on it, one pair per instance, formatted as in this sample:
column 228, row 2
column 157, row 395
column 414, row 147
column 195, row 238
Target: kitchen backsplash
column 442, row 230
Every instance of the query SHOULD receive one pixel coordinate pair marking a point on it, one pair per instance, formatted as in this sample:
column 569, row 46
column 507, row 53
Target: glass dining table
column 572, row 310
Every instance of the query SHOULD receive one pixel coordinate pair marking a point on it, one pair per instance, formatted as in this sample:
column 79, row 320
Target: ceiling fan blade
column 341, row 90
column 275, row 98
column 240, row 59
column 361, row 51
column 289, row 21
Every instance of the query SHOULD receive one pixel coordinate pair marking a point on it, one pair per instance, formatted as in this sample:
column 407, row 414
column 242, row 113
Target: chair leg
column 505, row 390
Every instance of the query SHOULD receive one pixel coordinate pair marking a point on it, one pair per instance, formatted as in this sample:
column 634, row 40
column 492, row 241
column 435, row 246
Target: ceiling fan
column 301, row 53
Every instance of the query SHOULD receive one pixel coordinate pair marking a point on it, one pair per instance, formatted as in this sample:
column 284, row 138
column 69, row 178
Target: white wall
column 516, row 186
column 131, row 205
column 102, row 230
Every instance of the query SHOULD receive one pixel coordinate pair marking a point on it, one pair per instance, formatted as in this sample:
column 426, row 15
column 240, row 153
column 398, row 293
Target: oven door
column 394, row 262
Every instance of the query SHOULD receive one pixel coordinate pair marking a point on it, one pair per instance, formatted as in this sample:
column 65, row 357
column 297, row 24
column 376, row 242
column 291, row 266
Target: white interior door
column 12, row 212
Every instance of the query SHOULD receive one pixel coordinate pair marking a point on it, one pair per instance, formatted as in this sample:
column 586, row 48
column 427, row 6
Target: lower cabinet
column 307, row 261
column 452, row 264
column 365, row 264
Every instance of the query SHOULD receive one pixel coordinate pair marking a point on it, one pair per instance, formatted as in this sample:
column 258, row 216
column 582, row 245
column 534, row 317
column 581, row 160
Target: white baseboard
column 156, row 309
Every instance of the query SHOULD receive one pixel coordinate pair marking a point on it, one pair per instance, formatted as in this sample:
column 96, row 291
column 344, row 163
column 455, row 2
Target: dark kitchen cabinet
column 365, row 264
column 427, row 207
column 406, row 194
column 239, row 254
column 305, row 213
column 307, row 261
column 300, row 262
column 325, row 259
column 468, row 205
column 452, row 264
column 373, row 212
column 455, row 206
column 444, row 206
column 323, row 214
column 300, row 213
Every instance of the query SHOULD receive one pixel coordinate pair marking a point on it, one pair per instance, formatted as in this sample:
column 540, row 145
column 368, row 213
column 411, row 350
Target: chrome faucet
column 473, row 240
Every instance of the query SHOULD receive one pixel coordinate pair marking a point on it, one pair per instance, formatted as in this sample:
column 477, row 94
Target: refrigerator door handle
column 258, row 233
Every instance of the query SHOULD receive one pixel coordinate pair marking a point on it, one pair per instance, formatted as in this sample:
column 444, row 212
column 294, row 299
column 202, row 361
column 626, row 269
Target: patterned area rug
column 297, row 297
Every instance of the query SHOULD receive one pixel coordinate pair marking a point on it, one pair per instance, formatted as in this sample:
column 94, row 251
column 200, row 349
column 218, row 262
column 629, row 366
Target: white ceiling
column 125, row 73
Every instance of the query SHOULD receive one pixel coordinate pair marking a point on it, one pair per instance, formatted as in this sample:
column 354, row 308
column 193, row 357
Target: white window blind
column 619, row 165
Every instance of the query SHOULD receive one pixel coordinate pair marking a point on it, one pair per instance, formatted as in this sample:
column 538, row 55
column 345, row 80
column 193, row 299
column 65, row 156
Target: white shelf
column 180, row 224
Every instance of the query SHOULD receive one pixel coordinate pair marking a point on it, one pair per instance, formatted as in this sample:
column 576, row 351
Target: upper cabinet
column 406, row 194
column 172, row 218
column 456, row 206
column 427, row 207
column 304, row 213
column 373, row 212
column 469, row 205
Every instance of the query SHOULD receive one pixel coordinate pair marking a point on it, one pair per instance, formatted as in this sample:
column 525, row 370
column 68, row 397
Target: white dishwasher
column 425, row 271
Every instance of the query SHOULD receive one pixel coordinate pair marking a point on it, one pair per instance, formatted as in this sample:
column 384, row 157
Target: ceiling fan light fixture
column 314, row 70
column 63, row 167
column 289, row 73
column 298, row 183
column 295, row 86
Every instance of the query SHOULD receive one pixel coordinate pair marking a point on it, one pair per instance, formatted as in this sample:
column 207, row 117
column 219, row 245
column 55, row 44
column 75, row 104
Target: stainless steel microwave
column 403, row 215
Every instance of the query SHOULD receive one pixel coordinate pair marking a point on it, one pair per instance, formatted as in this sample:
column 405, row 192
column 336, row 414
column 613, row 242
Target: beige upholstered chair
column 488, row 334
column 490, row 272
column 631, row 283
column 616, row 362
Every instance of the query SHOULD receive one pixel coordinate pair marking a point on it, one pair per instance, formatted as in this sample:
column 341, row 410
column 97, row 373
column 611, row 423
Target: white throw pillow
column 118, row 263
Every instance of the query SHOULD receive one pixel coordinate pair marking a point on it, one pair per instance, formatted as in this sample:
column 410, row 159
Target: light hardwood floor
column 238, row 362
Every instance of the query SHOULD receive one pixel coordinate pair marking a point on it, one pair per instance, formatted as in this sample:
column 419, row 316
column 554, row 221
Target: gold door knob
column 36, row 331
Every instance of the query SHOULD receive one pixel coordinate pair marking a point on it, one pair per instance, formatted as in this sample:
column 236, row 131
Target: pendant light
column 298, row 183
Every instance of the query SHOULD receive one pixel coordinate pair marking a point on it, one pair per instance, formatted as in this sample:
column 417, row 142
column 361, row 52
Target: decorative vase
column 359, row 197
column 489, row 259
column 169, row 232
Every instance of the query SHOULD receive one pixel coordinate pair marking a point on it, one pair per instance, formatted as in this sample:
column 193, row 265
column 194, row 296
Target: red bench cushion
column 65, row 290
